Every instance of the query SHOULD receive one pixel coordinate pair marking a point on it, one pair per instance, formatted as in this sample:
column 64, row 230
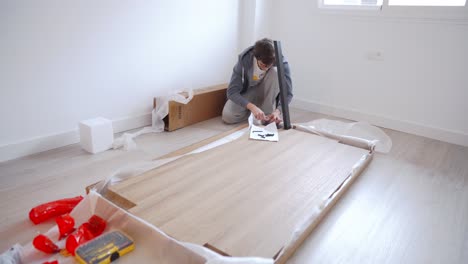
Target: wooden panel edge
column 113, row 197
column 215, row 249
column 118, row 200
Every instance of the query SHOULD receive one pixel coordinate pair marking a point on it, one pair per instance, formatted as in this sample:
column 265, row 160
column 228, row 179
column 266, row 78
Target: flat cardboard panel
column 206, row 103
column 245, row 198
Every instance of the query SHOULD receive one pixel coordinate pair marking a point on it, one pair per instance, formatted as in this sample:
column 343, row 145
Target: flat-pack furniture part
column 207, row 103
column 246, row 198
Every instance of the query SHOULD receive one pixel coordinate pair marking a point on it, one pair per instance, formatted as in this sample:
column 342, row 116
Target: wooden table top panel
column 246, row 197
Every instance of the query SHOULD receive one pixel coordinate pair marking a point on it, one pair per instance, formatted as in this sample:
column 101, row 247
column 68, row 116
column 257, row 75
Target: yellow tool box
column 105, row 248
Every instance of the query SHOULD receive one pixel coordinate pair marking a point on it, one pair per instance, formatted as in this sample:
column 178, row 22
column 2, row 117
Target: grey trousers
column 263, row 95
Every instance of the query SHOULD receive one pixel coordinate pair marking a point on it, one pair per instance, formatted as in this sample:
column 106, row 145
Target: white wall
column 418, row 85
column 263, row 11
column 66, row 61
column 246, row 23
column 255, row 21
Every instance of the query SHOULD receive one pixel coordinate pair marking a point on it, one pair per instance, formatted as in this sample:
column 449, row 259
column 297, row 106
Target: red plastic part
column 44, row 244
column 97, row 225
column 87, row 231
column 49, row 210
column 66, row 225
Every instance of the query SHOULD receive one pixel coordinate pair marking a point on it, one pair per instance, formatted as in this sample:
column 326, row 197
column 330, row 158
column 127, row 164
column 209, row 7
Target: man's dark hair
column 264, row 51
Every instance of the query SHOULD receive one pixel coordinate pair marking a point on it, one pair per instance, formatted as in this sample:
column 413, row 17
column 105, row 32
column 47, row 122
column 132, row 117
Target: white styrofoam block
column 96, row 134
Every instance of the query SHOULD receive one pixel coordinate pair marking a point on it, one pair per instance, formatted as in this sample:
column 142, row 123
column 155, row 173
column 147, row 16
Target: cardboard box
column 206, row 103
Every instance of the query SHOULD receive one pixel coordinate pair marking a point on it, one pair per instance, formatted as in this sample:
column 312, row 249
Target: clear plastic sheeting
column 157, row 122
column 222, row 141
column 12, row 255
column 139, row 168
column 214, row 258
column 358, row 134
column 127, row 172
column 151, row 244
column 303, row 230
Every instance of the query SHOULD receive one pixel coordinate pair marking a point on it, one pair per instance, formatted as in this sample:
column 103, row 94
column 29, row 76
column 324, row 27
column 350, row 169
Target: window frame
column 322, row 5
column 416, row 5
column 449, row 14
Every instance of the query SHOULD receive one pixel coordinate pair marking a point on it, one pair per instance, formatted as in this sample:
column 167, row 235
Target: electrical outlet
column 375, row 56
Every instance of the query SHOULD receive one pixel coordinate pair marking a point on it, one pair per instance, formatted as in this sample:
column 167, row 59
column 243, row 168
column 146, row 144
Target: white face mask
column 257, row 72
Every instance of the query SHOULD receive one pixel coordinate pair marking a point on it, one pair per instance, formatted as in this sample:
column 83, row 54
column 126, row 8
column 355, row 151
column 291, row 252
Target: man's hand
column 274, row 117
column 257, row 112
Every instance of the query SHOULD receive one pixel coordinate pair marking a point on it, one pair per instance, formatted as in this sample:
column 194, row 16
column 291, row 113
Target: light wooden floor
column 409, row 206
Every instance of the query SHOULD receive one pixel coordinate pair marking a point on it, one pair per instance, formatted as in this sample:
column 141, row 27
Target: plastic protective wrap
column 12, row 255
column 157, row 123
column 151, row 244
column 141, row 167
column 359, row 134
column 303, row 230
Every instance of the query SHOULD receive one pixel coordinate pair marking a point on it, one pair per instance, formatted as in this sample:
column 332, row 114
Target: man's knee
column 231, row 117
column 228, row 118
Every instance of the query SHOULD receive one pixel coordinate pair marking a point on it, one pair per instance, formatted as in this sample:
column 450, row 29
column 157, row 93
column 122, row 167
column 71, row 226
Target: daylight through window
column 353, row 2
column 426, row 2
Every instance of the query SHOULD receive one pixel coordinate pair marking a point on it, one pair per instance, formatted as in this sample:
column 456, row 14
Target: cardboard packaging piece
column 207, row 103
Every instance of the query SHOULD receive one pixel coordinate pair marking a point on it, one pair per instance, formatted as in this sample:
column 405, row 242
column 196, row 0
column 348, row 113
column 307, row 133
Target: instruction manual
column 267, row 133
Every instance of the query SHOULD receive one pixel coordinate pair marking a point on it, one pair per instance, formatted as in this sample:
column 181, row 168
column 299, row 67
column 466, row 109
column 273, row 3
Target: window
column 378, row 3
column 447, row 11
column 350, row 4
column 426, row 2
column 369, row 3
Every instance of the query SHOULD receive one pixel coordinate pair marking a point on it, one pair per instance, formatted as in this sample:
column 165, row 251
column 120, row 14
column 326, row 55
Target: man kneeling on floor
column 254, row 86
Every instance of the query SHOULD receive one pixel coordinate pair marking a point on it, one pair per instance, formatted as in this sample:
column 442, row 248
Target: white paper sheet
column 267, row 133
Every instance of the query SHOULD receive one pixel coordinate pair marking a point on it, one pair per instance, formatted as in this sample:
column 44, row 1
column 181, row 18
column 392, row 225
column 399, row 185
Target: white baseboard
column 44, row 143
column 128, row 123
column 454, row 137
